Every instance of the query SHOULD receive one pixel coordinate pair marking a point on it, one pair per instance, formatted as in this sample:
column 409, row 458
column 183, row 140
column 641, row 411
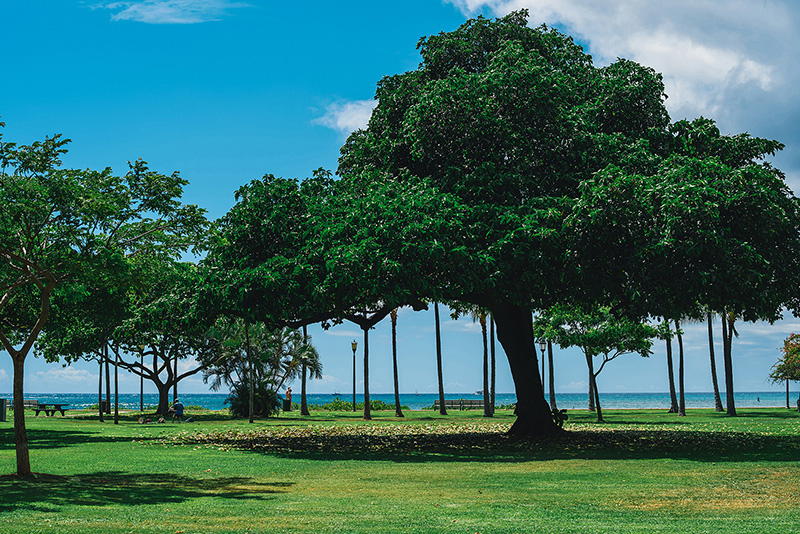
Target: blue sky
column 226, row 91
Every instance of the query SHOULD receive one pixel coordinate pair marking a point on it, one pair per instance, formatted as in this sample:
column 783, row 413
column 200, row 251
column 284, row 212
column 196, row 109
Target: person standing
column 177, row 410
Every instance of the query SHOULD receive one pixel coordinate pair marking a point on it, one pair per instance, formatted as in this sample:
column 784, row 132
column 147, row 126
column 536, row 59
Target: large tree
column 456, row 191
column 503, row 122
column 60, row 225
column 482, row 178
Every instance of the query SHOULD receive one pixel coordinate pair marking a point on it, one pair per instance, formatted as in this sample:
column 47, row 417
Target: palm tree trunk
column 717, row 400
column 108, row 382
column 398, row 411
column 487, row 408
column 116, row 388
column 682, row 399
column 252, row 396
column 727, row 335
column 595, row 397
column 100, row 389
column 591, row 387
column 442, row 409
column 367, row 414
column 673, row 406
column 303, row 400
column 552, row 377
column 493, row 364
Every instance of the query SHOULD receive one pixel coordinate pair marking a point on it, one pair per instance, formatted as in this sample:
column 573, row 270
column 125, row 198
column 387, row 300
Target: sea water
column 421, row 401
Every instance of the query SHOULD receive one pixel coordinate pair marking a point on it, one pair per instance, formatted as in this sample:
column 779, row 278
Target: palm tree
column 261, row 358
column 367, row 414
column 492, row 350
column 553, row 406
column 717, row 400
column 673, row 407
column 442, row 409
column 682, row 401
column 728, row 331
column 398, row 412
column 480, row 316
column 309, row 358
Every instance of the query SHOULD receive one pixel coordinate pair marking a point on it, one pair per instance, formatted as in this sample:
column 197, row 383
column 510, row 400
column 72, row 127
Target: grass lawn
column 642, row 471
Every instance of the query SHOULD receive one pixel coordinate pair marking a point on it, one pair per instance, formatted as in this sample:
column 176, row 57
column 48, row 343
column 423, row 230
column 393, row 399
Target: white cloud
column 171, row 11
column 704, row 49
column 61, row 375
column 3, row 374
column 347, row 117
column 355, row 334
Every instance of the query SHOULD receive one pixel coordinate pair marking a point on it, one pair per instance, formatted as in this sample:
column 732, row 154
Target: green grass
column 642, row 471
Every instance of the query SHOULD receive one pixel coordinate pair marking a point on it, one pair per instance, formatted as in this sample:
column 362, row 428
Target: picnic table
column 50, row 408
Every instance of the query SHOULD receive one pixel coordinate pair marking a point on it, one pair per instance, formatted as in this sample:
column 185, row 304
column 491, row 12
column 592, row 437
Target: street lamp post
column 354, row 345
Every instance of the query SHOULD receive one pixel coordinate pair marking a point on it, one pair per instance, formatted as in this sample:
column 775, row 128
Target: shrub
column 341, row 405
column 265, row 403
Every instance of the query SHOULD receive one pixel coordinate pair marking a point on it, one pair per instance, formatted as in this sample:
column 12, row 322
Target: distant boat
column 336, row 394
column 479, row 392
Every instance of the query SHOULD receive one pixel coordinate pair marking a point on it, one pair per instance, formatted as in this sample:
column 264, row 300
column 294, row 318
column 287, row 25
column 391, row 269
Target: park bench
column 460, row 404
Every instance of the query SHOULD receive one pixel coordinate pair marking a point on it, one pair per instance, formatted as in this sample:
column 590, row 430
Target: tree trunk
column 163, row 398
column 303, row 400
column 727, row 336
column 487, row 409
column 787, row 393
column 20, row 433
column 108, row 381
column 175, row 385
column 592, row 407
column 252, row 394
column 116, row 389
column 398, row 411
column 367, row 407
column 494, row 366
column 593, row 395
column 717, row 400
column 515, row 332
column 673, row 399
column 100, row 389
column 442, row 409
column 553, row 405
column 681, row 393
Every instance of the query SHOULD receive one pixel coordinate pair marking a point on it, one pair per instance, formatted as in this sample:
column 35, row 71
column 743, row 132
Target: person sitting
column 177, row 410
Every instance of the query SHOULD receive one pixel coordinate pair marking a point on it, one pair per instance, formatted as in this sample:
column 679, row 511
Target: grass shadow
column 39, row 438
column 43, row 492
column 615, row 444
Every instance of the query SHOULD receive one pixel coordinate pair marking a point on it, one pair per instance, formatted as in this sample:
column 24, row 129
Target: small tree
column 254, row 354
column 788, row 366
column 597, row 332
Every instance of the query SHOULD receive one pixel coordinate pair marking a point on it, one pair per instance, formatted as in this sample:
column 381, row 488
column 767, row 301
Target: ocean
column 420, row 401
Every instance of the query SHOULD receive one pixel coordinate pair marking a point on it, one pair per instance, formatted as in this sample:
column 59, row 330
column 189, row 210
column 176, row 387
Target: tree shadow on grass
column 43, row 492
column 54, row 439
column 601, row 444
